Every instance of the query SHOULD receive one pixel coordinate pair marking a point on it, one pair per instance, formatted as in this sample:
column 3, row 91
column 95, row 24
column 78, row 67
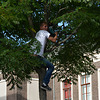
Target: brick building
column 87, row 88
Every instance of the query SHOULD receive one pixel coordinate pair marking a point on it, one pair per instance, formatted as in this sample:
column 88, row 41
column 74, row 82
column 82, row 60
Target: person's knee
column 51, row 68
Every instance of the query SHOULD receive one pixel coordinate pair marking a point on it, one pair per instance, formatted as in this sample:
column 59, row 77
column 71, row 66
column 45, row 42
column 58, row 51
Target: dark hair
column 42, row 23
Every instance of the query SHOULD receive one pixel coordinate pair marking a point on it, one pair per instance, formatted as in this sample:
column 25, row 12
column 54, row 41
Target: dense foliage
column 78, row 36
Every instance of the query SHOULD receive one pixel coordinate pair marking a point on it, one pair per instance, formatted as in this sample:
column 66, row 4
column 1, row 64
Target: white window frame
column 79, row 87
column 99, row 83
column 62, row 91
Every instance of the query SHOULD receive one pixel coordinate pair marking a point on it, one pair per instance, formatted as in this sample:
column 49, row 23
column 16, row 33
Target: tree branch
column 46, row 11
column 60, row 11
column 52, row 48
column 71, row 10
column 70, row 34
column 31, row 25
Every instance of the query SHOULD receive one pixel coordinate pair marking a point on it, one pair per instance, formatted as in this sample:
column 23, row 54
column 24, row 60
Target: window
column 85, row 87
column 67, row 91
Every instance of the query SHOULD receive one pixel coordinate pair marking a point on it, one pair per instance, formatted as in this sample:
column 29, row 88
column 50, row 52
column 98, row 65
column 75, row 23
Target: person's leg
column 49, row 71
column 48, row 74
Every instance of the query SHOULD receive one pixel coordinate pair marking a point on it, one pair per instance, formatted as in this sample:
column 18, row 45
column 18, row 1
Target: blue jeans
column 49, row 71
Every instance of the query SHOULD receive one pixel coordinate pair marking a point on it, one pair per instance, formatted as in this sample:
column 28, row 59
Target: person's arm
column 53, row 39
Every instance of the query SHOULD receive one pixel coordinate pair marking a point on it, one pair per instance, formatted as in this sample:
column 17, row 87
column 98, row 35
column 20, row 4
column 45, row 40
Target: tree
column 78, row 38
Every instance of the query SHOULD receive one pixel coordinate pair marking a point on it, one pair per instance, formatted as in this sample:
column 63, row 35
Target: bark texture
column 42, row 93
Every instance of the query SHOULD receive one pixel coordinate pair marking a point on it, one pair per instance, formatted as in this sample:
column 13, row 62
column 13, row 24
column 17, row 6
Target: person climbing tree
column 42, row 36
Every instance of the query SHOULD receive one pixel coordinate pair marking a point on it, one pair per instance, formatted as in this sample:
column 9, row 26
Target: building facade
column 87, row 88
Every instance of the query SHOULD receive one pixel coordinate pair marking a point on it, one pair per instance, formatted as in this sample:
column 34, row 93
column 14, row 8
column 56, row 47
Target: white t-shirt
column 42, row 36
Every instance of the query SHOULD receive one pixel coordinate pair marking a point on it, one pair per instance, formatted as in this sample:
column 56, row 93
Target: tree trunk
column 41, row 73
column 31, row 26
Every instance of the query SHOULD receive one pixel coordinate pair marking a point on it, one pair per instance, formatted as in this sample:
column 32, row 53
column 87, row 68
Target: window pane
column 88, row 96
column 87, row 78
column 69, row 98
column 83, row 80
column 88, row 88
column 84, row 97
column 83, row 89
column 70, row 92
column 67, row 85
column 66, row 94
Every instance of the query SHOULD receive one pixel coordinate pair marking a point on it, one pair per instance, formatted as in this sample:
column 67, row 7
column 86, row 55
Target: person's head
column 44, row 26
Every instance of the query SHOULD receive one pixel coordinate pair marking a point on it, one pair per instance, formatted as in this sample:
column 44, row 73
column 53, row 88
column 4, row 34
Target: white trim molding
column 61, row 90
column 99, row 83
column 3, row 88
column 72, row 91
column 79, row 86
column 33, row 89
